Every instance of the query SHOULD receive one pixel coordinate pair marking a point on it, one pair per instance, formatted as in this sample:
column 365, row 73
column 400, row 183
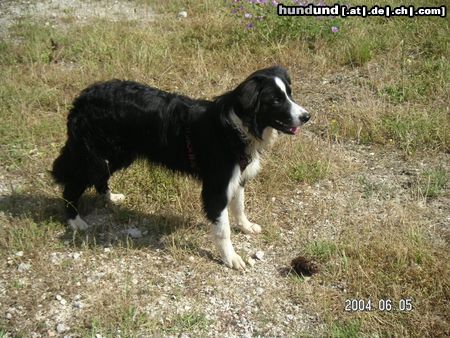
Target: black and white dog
column 219, row 142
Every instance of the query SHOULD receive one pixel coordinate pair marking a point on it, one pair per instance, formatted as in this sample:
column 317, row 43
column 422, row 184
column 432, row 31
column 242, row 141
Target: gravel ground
column 55, row 11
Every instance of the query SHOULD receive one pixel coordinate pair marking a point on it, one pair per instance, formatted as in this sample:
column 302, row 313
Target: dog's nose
column 305, row 117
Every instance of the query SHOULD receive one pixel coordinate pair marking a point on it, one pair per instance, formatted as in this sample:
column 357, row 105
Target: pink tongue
column 294, row 130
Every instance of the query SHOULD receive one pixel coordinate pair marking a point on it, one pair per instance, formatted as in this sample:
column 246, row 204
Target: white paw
column 115, row 198
column 250, row 228
column 78, row 223
column 229, row 256
column 234, row 261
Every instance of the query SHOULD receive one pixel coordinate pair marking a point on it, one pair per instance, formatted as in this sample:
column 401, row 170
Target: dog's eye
column 276, row 100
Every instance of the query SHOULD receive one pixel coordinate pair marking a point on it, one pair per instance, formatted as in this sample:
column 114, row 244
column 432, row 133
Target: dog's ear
column 248, row 95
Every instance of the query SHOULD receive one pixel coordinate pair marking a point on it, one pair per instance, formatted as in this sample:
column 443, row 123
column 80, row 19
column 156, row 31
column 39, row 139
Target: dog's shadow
column 111, row 225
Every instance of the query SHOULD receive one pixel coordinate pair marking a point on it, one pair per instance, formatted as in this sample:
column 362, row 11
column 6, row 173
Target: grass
column 188, row 322
column 321, row 250
column 322, row 193
column 433, row 182
column 350, row 328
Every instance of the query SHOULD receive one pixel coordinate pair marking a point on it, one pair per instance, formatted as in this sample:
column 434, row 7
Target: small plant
column 188, row 322
column 418, row 130
column 433, row 182
column 310, row 172
column 321, row 249
column 347, row 329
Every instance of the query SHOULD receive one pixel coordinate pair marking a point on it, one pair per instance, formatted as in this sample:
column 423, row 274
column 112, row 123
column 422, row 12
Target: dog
column 218, row 141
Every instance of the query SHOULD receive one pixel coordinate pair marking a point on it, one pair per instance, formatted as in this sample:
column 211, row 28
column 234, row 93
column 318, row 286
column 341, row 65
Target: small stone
column 77, row 305
column 134, row 233
column 251, row 261
column 19, row 253
column 76, row 255
column 58, row 297
column 259, row 255
column 182, row 14
column 259, row 291
column 8, row 316
column 61, row 328
column 23, row 267
column 191, row 259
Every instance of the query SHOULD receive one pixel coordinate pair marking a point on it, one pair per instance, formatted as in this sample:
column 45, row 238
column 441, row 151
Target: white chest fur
column 252, row 169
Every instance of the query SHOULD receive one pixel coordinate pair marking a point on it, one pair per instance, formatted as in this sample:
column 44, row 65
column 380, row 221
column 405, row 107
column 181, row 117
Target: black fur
column 113, row 123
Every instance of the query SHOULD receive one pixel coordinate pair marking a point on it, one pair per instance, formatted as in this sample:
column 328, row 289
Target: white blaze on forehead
column 296, row 110
column 280, row 84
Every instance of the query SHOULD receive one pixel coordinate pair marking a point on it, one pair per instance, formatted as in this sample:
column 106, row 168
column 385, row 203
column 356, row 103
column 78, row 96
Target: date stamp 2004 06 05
column 383, row 305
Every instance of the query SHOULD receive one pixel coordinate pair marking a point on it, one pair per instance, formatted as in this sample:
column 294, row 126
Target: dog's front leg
column 215, row 200
column 221, row 233
column 237, row 209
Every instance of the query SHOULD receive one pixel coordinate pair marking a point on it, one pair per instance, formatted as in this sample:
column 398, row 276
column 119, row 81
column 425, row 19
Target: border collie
column 218, row 142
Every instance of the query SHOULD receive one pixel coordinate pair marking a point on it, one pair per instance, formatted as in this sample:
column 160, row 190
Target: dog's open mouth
column 285, row 128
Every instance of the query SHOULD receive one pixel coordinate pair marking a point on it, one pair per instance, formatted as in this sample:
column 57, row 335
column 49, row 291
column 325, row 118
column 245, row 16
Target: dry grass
column 363, row 191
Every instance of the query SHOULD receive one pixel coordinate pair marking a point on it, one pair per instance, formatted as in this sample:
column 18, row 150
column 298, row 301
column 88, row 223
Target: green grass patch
column 125, row 320
column 188, row 322
column 418, row 130
column 433, row 182
column 346, row 329
column 310, row 172
column 321, row 250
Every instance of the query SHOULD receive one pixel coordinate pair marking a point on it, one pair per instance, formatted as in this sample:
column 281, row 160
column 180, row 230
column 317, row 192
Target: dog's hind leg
column 237, row 210
column 102, row 185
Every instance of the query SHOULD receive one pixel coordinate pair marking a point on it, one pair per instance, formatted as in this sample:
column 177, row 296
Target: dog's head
column 264, row 100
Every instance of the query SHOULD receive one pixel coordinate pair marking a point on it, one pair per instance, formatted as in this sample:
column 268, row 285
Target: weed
column 188, row 322
column 321, row 249
column 433, row 182
column 347, row 329
column 310, row 172
column 418, row 130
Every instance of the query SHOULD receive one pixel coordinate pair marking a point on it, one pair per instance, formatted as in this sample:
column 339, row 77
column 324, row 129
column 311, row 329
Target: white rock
column 134, row 233
column 8, row 316
column 259, row 291
column 182, row 14
column 61, row 328
column 19, row 253
column 259, row 255
column 23, row 267
column 251, row 261
column 76, row 255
